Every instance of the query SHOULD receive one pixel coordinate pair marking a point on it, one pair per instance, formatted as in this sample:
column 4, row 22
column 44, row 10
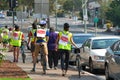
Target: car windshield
column 102, row 43
column 80, row 39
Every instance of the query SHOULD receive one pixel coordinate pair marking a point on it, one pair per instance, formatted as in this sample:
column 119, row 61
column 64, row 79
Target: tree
column 69, row 5
column 3, row 4
column 113, row 13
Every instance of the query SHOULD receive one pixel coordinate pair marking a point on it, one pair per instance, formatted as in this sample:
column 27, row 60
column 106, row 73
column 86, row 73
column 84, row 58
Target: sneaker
column 33, row 70
column 63, row 73
column 48, row 68
column 55, row 68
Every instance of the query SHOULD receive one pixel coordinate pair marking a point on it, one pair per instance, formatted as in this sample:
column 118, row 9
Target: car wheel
column 78, row 65
column 77, row 61
column 107, row 74
column 91, row 66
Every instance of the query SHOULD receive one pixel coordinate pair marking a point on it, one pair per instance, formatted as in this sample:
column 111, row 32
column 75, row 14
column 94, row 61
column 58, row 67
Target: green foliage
column 15, row 79
column 2, row 56
column 113, row 13
column 69, row 5
column 3, row 4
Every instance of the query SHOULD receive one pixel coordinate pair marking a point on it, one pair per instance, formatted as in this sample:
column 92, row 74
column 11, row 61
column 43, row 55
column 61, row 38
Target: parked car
column 112, row 62
column 79, row 39
column 117, row 31
column 2, row 16
column 92, row 52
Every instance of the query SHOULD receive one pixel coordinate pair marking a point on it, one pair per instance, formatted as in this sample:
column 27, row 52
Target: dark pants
column 53, row 57
column 64, row 56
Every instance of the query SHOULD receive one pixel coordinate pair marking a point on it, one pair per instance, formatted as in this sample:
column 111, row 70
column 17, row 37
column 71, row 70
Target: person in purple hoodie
column 53, row 55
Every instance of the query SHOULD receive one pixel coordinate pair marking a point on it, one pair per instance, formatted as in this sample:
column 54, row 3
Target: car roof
column 105, row 37
column 82, row 34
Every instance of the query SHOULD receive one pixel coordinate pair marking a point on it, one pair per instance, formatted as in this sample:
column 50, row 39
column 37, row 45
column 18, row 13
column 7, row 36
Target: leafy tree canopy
column 113, row 13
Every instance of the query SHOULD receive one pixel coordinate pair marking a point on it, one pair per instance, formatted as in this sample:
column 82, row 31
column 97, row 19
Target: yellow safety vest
column 17, row 38
column 33, row 31
column 64, row 42
column 5, row 33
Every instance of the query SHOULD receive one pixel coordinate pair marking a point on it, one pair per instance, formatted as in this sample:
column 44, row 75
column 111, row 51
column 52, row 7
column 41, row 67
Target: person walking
column 65, row 41
column 5, row 37
column 52, row 49
column 17, row 39
column 31, row 39
column 10, row 40
column 42, row 36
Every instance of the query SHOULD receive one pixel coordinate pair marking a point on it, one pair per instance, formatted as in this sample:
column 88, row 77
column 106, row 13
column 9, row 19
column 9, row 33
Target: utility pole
column 42, row 9
column 12, row 5
column 56, row 13
column 85, row 16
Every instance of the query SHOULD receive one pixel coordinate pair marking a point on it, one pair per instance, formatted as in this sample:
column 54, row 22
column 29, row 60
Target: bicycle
column 78, row 61
column 23, row 43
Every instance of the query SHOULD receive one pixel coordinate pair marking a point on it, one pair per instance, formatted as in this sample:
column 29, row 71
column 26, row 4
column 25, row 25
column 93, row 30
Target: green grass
column 15, row 79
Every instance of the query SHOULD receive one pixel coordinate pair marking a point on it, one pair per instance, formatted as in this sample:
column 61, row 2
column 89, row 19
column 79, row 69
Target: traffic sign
column 85, row 17
column 96, row 19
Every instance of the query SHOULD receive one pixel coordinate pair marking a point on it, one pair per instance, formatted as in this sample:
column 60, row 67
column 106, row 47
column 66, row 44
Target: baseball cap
column 42, row 22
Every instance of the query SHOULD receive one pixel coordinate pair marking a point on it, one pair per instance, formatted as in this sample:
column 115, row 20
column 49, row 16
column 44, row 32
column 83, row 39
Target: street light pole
column 56, row 14
column 85, row 16
column 42, row 10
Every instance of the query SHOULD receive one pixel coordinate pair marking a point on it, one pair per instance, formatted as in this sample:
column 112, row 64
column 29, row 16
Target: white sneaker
column 47, row 68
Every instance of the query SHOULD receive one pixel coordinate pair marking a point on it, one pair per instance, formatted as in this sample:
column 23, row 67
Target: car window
column 87, row 43
column 80, row 39
column 116, row 48
column 102, row 43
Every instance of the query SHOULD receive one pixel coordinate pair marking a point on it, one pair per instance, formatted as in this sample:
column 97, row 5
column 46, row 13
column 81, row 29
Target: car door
column 115, row 60
column 85, row 51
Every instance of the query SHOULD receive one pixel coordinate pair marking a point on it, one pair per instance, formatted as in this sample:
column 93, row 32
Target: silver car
column 92, row 52
column 112, row 62
column 79, row 39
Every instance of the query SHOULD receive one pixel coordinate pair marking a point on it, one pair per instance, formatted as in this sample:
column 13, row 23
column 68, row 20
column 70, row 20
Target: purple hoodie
column 52, row 41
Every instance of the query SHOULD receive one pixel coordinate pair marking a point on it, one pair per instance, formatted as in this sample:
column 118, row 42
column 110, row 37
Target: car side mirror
column 76, row 50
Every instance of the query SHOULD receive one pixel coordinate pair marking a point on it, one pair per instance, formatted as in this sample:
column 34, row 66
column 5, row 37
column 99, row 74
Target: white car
column 79, row 39
column 92, row 52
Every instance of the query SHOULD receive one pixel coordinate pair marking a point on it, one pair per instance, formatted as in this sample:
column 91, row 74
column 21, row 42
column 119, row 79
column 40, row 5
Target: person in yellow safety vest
column 42, row 36
column 5, row 37
column 10, row 40
column 31, row 39
column 17, row 38
column 65, row 41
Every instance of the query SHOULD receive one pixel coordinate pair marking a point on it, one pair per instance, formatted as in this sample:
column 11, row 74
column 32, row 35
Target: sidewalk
column 72, row 74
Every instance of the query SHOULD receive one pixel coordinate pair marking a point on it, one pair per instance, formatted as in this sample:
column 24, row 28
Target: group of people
column 56, row 45
column 11, row 39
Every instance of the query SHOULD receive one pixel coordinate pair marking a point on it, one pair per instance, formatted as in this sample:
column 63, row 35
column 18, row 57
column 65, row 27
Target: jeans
column 64, row 56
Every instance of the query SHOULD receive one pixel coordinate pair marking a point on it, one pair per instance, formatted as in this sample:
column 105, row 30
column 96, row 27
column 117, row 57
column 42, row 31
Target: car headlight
column 99, row 57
